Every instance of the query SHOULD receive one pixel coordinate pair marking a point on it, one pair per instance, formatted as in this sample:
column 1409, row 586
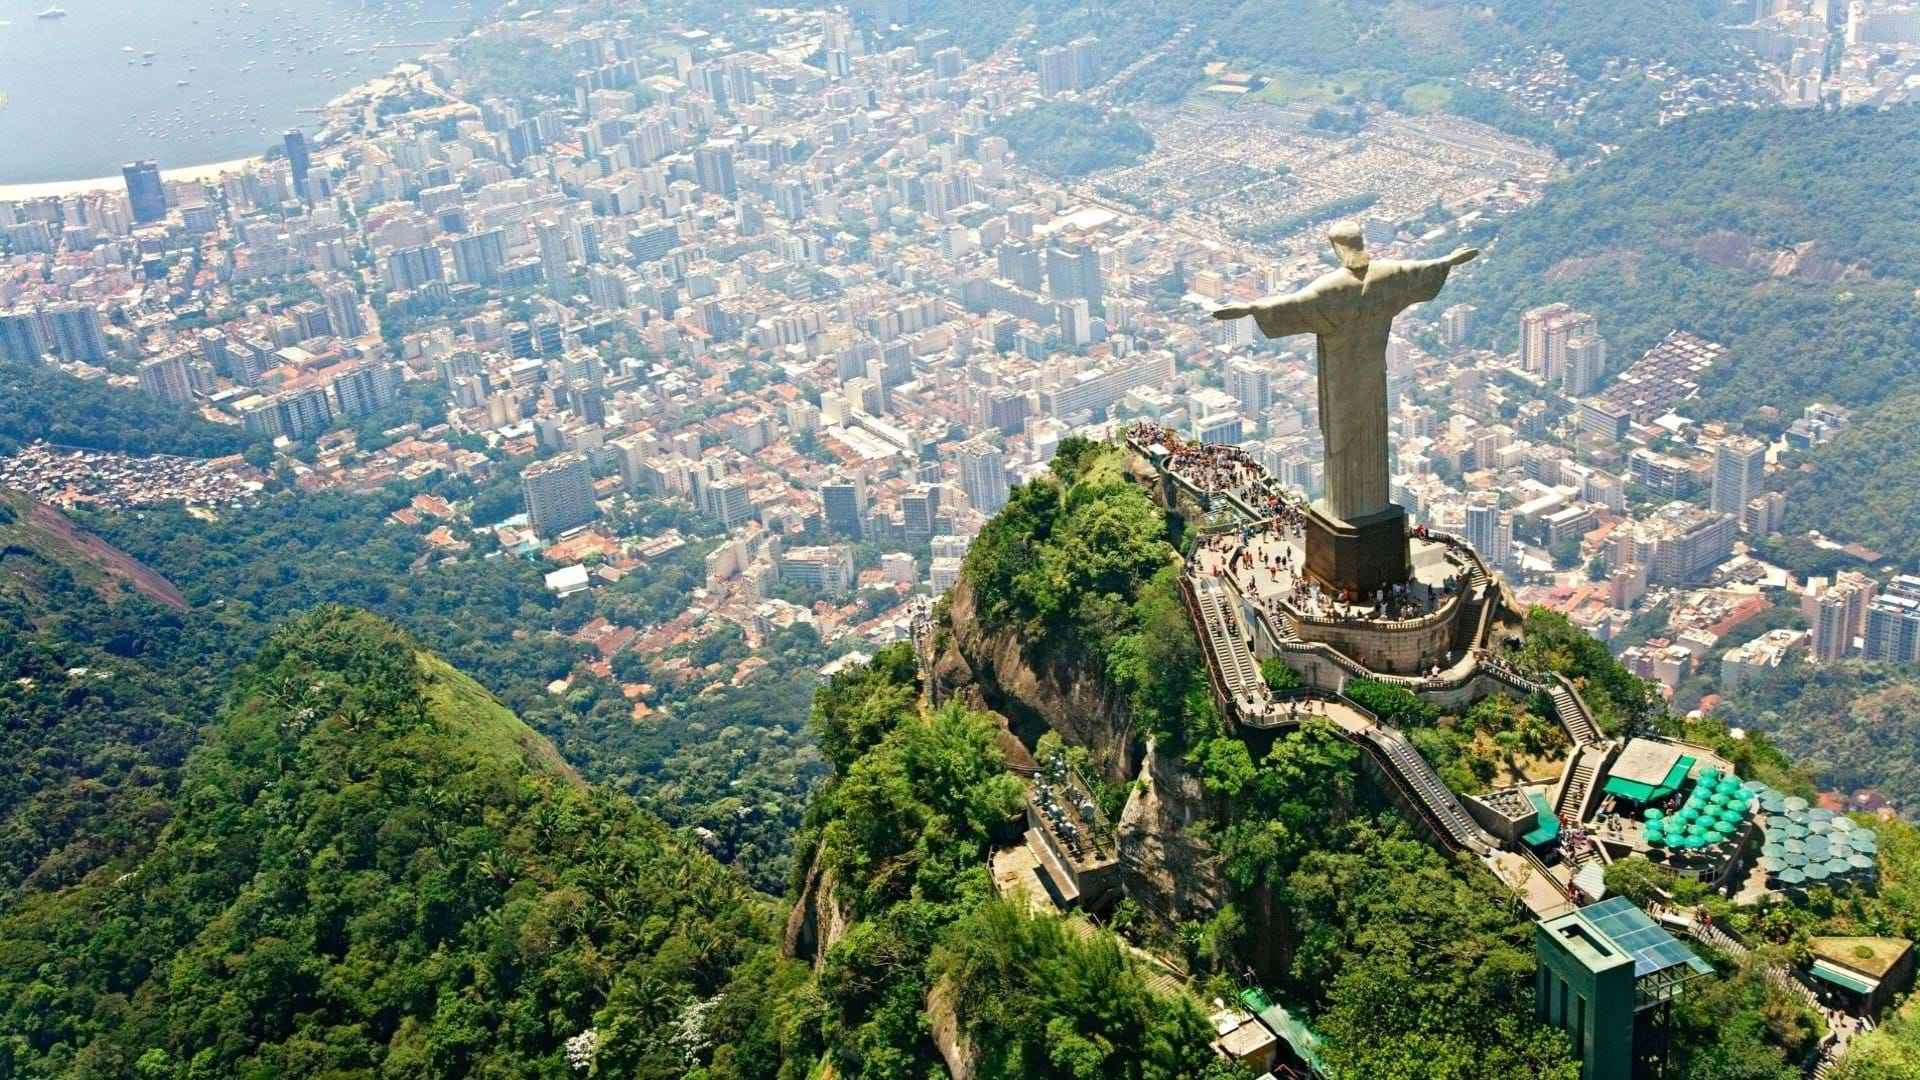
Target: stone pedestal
column 1364, row 555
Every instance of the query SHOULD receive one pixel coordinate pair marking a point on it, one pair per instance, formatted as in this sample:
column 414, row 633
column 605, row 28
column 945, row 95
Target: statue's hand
column 1231, row 312
column 1464, row 255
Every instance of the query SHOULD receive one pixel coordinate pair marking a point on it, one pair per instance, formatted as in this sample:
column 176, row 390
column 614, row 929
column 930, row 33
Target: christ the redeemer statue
column 1351, row 311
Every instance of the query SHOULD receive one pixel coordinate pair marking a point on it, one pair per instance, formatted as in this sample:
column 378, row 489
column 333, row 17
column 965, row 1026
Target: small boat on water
column 53, row 13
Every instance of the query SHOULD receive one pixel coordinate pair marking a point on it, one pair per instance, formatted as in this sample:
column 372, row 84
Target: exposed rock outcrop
column 1035, row 691
column 944, row 1024
column 1165, row 866
column 818, row 918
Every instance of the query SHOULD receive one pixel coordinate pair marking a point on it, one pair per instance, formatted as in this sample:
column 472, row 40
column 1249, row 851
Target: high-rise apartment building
column 920, row 511
column 1838, row 614
column 1066, row 68
column 477, row 258
column 20, row 338
column 297, row 414
column 1251, row 384
column 367, row 389
column 843, row 502
column 407, row 269
column 1739, row 464
column 77, row 333
column 1073, row 273
column 299, row 160
column 713, row 168
column 559, row 495
column 343, row 309
column 1055, row 70
column 983, row 475
column 1893, row 622
column 166, row 378
column 1489, row 531
column 1586, row 363
column 145, row 192
column 1546, row 335
column 730, row 501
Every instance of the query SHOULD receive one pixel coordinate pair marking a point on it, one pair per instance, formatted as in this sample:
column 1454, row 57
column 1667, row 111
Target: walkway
column 1842, row 1027
column 1248, row 701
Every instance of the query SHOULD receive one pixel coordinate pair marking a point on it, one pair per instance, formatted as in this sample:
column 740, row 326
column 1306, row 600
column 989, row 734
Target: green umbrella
column 1791, row 876
column 1709, row 773
column 1772, row 850
column 1688, row 814
column 1838, row 866
column 1772, row 865
column 1841, row 824
column 1731, row 815
column 1655, row 814
column 1816, row 871
column 1860, row 861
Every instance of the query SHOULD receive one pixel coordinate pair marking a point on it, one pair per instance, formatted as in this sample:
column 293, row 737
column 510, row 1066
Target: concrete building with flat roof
column 1600, row 967
column 559, row 495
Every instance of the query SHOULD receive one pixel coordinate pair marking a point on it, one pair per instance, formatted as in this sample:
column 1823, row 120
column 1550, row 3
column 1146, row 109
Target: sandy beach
column 17, row 192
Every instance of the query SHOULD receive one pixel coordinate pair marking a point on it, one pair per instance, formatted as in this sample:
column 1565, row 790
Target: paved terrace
column 1236, row 679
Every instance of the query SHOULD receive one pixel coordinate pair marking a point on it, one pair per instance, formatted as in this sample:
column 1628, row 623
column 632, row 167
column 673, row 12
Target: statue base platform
column 1362, row 556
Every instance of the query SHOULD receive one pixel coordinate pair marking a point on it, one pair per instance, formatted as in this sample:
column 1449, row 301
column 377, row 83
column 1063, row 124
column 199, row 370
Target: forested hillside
column 1767, row 230
column 1864, row 485
column 96, row 708
column 42, row 403
column 1068, row 139
column 1854, row 724
column 1793, row 238
column 373, row 867
column 496, row 620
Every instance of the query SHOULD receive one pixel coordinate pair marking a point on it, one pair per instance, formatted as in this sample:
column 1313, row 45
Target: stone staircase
column 1573, row 712
column 1438, row 802
column 1238, row 672
column 1573, row 794
column 1479, row 595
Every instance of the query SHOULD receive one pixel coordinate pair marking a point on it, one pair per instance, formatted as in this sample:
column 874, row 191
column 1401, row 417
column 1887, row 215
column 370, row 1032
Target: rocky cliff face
column 955, row 1048
column 818, row 918
column 1035, row 691
column 1165, row 866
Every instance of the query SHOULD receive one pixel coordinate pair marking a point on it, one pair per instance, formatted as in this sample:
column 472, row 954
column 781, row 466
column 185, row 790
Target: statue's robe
column 1352, row 317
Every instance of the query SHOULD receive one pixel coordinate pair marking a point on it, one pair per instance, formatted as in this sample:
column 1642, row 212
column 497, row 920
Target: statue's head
column 1350, row 244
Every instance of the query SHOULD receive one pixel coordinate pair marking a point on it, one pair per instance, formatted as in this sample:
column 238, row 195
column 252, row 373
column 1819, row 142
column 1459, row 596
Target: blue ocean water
column 188, row 82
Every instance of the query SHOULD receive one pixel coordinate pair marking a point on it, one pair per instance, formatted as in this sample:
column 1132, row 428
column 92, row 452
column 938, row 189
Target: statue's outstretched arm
column 1303, row 312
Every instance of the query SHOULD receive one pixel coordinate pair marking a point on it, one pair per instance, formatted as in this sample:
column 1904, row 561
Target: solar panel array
column 1651, row 946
